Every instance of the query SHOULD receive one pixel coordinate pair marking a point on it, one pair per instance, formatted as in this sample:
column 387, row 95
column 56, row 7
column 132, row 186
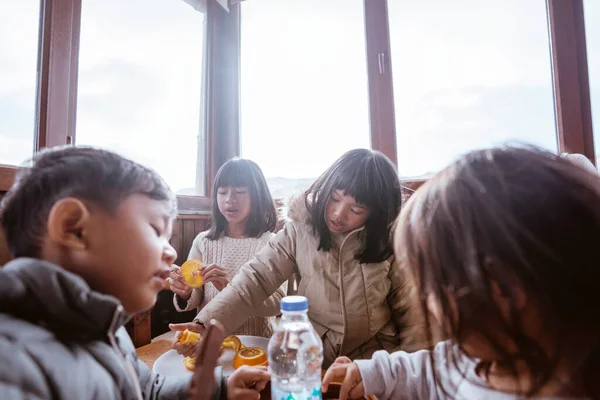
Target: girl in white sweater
column 243, row 218
column 504, row 247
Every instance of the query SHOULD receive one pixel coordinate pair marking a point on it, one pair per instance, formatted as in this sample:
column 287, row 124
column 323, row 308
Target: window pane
column 304, row 96
column 140, row 71
column 592, row 30
column 19, row 30
column 468, row 74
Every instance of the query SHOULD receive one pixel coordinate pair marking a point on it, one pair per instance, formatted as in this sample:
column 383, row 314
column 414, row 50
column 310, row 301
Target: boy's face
column 125, row 254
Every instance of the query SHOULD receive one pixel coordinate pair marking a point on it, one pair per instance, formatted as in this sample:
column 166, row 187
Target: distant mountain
column 281, row 188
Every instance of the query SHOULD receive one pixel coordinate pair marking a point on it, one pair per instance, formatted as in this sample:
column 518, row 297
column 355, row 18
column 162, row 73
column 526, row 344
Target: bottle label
column 308, row 394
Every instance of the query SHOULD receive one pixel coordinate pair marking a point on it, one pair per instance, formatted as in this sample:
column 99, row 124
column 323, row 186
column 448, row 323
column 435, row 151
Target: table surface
column 160, row 345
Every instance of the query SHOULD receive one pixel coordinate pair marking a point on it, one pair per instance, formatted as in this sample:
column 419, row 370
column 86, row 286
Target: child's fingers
column 342, row 360
column 246, row 394
column 214, row 272
column 357, row 392
column 246, row 376
column 350, row 382
column 190, row 326
column 335, row 371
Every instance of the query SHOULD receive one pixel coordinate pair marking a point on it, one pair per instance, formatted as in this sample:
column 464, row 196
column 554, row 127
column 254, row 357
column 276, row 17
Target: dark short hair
column 99, row 177
column 508, row 218
column 239, row 172
column 371, row 178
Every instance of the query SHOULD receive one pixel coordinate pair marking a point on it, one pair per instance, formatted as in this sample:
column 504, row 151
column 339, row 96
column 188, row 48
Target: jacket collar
column 63, row 302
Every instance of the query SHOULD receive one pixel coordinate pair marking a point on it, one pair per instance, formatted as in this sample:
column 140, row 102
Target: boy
column 89, row 231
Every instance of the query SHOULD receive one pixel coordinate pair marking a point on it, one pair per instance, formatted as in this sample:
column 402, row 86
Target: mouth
column 335, row 226
column 231, row 211
column 161, row 276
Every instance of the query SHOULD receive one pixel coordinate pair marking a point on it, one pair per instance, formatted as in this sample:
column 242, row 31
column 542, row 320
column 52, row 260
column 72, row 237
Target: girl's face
column 234, row 203
column 343, row 214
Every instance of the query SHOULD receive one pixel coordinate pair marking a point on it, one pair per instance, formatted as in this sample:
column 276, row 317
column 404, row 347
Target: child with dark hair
column 504, row 246
column 89, row 231
column 243, row 218
column 338, row 244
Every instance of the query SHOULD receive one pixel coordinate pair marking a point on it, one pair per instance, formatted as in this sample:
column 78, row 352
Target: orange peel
column 251, row 356
column 190, row 270
column 232, row 342
column 189, row 337
column 189, row 363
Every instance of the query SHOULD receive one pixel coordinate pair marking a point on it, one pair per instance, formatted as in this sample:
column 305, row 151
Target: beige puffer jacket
column 356, row 308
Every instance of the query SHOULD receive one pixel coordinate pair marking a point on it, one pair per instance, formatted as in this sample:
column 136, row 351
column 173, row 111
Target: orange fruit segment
column 190, row 270
column 232, row 342
column 189, row 337
column 251, row 356
column 189, row 363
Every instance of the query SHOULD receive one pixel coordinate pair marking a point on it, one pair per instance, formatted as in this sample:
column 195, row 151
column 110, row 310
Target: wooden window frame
column 58, row 70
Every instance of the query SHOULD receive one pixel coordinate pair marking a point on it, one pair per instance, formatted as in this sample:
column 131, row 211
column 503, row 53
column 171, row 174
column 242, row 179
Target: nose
column 338, row 212
column 230, row 197
column 169, row 254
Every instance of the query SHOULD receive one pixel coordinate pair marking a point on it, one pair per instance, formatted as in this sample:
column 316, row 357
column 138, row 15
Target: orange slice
column 189, row 363
column 232, row 342
column 190, row 270
column 189, row 337
column 251, row 356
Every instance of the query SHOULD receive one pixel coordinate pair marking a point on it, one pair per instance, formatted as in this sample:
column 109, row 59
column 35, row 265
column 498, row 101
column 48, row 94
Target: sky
column 472, row 74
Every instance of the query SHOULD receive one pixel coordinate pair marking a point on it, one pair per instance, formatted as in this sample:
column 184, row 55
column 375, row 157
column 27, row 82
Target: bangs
column 236, row 174
column 361, row 180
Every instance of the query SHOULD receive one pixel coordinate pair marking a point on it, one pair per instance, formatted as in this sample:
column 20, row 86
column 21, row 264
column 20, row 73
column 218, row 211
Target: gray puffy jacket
column 61, row 340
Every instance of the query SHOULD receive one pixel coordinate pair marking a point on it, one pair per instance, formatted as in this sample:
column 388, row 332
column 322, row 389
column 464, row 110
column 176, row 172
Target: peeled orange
column 189, row 337
column 251, row 356
column 189, row 363
column 190, row 270
column 232, row 342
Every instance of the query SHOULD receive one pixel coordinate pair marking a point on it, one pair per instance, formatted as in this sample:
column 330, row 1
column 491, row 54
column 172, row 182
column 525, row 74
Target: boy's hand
column 203, row 381
column 219, row 276
column 246, row 383
column 188, row 349
column 345, row 371
column 178, row 285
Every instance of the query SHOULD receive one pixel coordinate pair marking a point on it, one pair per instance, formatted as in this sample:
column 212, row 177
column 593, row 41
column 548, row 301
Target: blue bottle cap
column 294, row 303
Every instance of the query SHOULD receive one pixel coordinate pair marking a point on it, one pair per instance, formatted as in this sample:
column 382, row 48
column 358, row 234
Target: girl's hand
column 203, row 382
column 177, row 284
column 219, row 276
column 247, row 383
column 188, row 349
column 345, row 371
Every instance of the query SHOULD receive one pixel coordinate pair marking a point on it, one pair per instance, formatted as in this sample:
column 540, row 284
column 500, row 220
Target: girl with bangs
column 243, row 218
column 337, row 244
column 504, row 245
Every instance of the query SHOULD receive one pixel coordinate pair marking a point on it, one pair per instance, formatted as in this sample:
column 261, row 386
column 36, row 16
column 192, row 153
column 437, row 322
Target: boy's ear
column 67, row 222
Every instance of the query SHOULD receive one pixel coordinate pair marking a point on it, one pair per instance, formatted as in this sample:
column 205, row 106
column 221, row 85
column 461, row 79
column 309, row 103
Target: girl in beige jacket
column 337, row 244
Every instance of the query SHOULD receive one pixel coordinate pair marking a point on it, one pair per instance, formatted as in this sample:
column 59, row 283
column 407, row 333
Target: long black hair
column 371, row 179
column 239, row 172
column 512, row 220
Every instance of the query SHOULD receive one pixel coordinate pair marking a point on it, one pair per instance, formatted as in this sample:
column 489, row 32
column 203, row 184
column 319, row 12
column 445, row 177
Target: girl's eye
column 357, row 212
column 156, row 230
column 334, row 199
column 221, row 193
column 241, row 192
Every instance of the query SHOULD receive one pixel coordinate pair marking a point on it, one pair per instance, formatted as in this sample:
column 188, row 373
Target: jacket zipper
column 340, row 264
column 132, row 375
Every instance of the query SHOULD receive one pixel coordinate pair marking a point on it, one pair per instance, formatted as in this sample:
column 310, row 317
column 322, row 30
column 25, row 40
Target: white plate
column 171, row 363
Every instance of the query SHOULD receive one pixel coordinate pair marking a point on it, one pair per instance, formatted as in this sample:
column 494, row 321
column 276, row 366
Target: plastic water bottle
column 295, row 354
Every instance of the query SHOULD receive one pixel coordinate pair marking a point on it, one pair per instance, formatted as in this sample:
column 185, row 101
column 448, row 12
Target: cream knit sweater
column 229, row 253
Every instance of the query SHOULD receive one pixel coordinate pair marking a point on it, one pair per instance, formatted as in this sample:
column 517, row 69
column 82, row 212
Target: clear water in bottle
column 295, row 354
